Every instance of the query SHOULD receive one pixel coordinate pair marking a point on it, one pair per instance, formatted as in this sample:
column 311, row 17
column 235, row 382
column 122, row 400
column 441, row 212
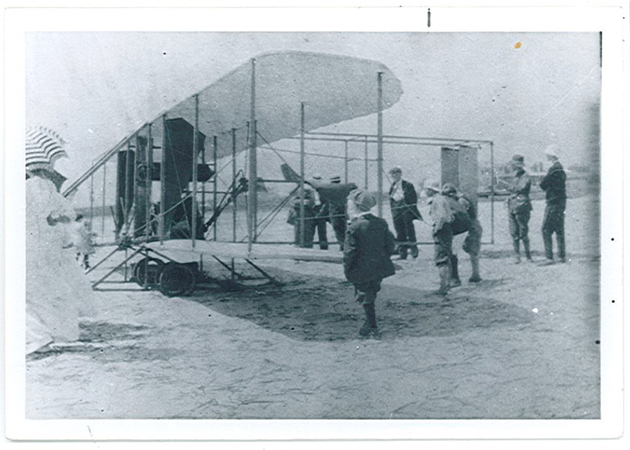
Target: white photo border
column 605, row 19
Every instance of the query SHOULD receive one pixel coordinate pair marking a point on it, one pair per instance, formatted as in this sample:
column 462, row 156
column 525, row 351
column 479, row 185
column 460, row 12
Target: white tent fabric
column 333, row 88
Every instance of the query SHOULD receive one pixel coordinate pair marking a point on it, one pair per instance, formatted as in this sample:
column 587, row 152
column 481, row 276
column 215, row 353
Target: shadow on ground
column 323, row 309
column 109, row 342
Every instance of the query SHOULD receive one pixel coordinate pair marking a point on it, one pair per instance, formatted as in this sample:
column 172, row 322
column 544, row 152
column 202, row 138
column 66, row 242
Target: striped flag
column 43, row 147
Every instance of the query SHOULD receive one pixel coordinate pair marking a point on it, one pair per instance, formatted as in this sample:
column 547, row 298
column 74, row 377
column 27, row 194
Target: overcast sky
column 524, row 91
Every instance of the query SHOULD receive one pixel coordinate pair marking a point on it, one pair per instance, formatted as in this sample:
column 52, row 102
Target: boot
column 517, row 251
column 369, row 327
column 455, row 281
column 528, row 254
column 445, row 274
column 474, row 262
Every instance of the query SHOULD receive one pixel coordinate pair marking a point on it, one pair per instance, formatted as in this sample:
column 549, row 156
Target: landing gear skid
column 171, row 277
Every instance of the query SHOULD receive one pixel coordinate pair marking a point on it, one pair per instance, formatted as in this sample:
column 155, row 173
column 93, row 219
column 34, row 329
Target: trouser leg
column 455, row 281
column 548, row 244
column 443, row 253
column 515, row 233
column 309, row 231
column 528, row 253
column 321, row 234
column 365, row 294
column 369, row 327
column 411, row 235
column 561, row 246
column 305, row 241
column 517, row 250
column 547, row 231
column 444, row 271
column 401, row 234
column 370, row 315
column 560, row 233
column 338, row 221
column 474, row 262
column 339, row 229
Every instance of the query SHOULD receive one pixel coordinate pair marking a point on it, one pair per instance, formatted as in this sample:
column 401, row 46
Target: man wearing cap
column 554, row 185
column 338, row 216
column 442, row 216
column 403, row 202
column 519, row 208
column 366, row 256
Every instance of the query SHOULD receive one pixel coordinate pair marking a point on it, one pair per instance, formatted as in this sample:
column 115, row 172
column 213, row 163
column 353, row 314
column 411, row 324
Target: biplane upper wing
column 333, row 88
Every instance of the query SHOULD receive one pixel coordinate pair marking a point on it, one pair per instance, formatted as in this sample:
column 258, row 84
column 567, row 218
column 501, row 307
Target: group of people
column 319, row 211
column 369, row 244
column 520, row 207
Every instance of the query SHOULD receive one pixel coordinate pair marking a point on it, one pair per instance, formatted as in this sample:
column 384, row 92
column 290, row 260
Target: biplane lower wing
column 182, row 248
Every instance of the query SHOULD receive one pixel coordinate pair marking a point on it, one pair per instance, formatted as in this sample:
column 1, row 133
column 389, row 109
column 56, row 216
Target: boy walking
column 366, row 258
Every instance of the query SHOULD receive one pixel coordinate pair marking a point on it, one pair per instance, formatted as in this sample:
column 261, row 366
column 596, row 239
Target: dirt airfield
column 522, row 344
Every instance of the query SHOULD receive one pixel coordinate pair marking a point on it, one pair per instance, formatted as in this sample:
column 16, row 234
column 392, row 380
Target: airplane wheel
column 177, row 279
column 149, row 267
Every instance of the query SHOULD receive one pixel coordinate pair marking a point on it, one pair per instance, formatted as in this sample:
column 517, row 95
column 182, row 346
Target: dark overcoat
column 408, row 205
column 367, row 250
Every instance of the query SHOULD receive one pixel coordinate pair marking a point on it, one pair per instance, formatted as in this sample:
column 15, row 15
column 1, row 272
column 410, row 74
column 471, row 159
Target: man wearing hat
column 519, row 208
column 366, row 256
column 403, row 202
column 442, row 217
column 554, row 185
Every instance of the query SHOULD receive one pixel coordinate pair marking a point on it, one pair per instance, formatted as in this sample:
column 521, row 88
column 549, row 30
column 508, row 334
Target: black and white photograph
column 230, row 225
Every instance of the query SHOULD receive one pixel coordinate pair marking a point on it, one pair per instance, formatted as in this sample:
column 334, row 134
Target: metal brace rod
column 238, row 275
column 127, row 259
column 265, row 274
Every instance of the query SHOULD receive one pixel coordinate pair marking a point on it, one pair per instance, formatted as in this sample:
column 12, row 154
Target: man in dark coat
column 554, row 185
column 403, row 202
column 366, row 257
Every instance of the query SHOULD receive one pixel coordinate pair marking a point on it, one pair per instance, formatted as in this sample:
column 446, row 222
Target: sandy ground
column 523, row 344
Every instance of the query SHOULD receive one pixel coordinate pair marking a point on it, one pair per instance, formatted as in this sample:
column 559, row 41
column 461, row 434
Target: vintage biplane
column 272, row 97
